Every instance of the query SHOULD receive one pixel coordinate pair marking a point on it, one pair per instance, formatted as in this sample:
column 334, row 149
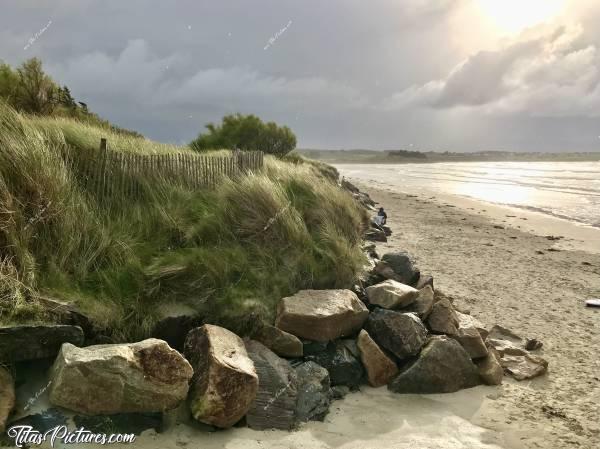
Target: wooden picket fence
column 105, row 172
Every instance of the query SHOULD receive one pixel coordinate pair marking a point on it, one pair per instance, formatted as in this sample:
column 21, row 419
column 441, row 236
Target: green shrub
column 248, row 133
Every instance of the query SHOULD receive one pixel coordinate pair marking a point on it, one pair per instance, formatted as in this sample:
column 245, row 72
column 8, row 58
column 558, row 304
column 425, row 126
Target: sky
column 443, row 75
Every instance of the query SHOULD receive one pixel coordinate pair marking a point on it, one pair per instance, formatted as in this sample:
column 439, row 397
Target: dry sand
column 504, row 276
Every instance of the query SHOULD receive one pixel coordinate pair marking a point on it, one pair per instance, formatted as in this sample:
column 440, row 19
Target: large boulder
column 469, row 337
column 313, row 392
column 391, row 294
column 342, row 360
column 423, row 304
column 275, row 403
column 18, row 343
column 280, row 342
column 380, row 368
column 142, row 377
column 443, row 367
column 403, row 265
column 402, row 334
column 321, row 315
column 443, row 318
column 225, row 382
column 7, row 397
column 523, row 367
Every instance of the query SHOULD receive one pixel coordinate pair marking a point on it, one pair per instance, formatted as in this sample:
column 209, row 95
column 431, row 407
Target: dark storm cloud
column 341, row 73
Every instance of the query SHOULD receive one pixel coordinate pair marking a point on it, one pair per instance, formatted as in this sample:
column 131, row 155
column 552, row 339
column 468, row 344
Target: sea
column 567, row 190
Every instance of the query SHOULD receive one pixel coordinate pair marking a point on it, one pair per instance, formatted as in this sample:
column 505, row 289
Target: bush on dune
column 230, row 253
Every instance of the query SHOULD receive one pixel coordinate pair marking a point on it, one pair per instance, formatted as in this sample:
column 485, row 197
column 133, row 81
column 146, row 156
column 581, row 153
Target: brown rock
column 443, row 318
column 280, row 342
column 469, row 337
column 7, row 397
column 225, row 382
column 321, row 315
column 142, row 377
column 380, row 368
column 391, row 294
column 423, row 305
column 523, row 367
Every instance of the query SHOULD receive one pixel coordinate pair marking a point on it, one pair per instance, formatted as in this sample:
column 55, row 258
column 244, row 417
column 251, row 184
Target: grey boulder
column 342, row 360
column 275, row 403
column 442, row 367
column 402, row 334
column 404, row 267
column 314, row 395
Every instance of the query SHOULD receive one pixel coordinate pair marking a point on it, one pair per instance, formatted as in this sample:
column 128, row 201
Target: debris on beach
column 593, row 302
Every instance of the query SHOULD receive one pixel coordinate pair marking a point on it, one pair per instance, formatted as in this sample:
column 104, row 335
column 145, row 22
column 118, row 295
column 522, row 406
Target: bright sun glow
column 513, row 16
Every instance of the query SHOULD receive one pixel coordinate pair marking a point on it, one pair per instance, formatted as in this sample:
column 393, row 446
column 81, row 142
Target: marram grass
column 230, row 253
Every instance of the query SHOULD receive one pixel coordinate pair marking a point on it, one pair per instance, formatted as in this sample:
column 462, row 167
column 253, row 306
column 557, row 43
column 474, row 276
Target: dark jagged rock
column 18, row 343
column 280, row 342
column 275, row 403
column 442, row 367
column 402, row 334
column 376, row 235
column 403, row 265
column 310, row 347
column 339, row 392
column 342, row 361
column 314, row 394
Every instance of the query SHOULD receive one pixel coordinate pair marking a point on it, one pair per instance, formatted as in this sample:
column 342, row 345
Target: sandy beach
column 527, row 283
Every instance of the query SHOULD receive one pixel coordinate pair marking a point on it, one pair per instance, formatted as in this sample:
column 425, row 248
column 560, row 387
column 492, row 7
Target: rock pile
column 392, row 329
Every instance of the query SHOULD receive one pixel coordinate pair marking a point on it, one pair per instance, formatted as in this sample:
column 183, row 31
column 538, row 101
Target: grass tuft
column 229, row 253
